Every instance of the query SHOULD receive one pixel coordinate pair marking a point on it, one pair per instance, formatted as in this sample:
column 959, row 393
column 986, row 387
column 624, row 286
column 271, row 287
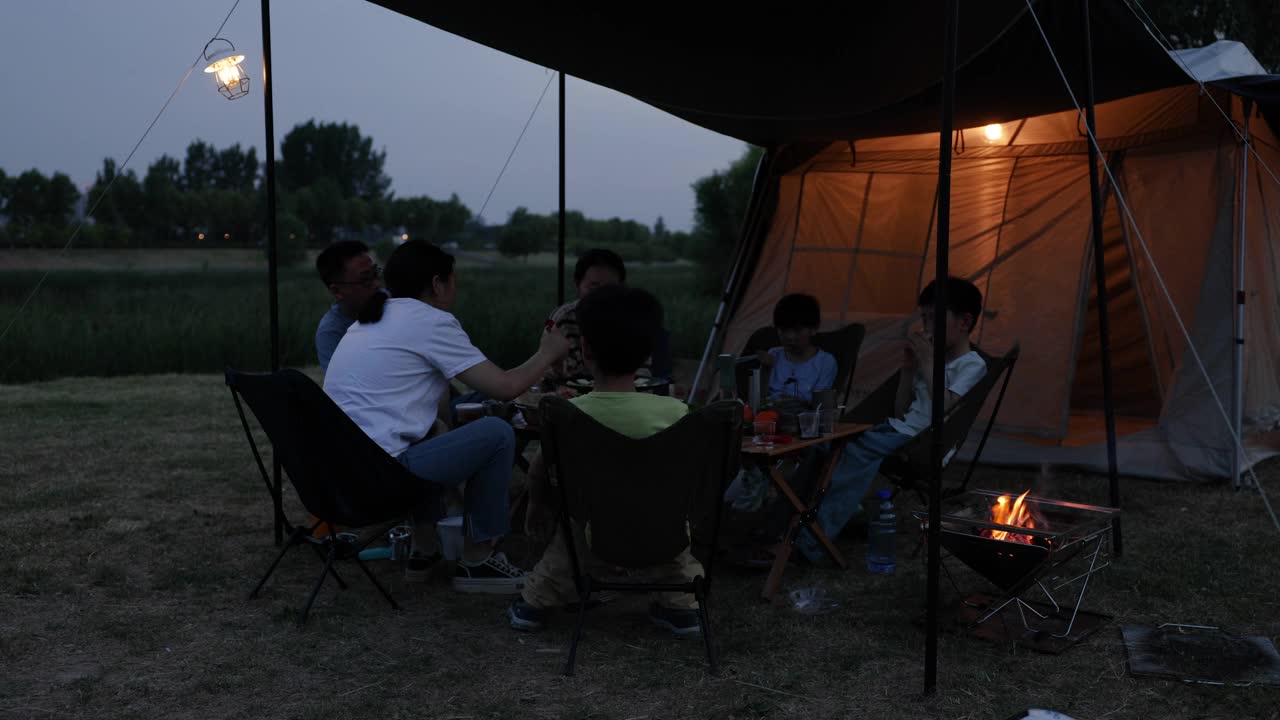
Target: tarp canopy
column 798, row 73
column 847, row 99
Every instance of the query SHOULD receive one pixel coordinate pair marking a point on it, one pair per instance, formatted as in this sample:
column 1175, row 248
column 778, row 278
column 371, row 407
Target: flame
column 1015, row 514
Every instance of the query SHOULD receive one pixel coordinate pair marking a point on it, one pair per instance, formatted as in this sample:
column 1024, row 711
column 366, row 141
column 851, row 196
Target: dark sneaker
column 525, row 617
column 681, row 622
column 495, row 575
column 419, row 566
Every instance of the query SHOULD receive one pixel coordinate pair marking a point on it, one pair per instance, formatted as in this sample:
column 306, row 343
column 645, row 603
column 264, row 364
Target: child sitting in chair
column 861, row 459
column 618, row 327
column 797, row 368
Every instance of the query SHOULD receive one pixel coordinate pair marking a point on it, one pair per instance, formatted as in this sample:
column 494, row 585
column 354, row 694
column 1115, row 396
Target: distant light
column 993, row 132
column 226, row 236
column 200, row 236
column 292, row 236
column 404, row 236
column 224, row 65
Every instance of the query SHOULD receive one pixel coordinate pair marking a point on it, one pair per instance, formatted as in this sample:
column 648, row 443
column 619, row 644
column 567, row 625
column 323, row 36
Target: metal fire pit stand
column 1070, row 532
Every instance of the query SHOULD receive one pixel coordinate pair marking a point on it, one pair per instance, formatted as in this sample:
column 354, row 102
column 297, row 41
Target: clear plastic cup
column 826, row 422
column 400, row 537
column 808, row 425
column 764, row 430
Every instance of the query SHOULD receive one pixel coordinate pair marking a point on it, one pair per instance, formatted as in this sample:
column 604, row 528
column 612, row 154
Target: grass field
column 169, row 314
column 135, row 524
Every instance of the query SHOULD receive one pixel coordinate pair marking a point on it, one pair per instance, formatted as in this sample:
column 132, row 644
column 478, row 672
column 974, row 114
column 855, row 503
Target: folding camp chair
column 341, row 475
column 912, row 465
column 640, row 498
column 843, row 344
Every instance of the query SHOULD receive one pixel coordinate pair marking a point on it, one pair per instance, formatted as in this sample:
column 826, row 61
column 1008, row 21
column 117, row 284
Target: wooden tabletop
column 842, row 430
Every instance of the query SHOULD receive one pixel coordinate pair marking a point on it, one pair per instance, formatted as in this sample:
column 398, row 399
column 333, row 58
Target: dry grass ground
column 134, row 525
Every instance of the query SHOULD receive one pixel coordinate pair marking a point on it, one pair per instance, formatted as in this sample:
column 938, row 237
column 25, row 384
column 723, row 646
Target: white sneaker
column 495, row 575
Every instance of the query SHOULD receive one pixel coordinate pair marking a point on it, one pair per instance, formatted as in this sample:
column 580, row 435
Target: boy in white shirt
column 861, row 459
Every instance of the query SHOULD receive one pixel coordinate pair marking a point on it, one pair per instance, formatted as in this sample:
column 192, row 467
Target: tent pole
column 940, row 340
column 1100, row 282
column 270, row 180
column 735, row 270
column 560, row 246
column 272, row 257
column 1237, row 380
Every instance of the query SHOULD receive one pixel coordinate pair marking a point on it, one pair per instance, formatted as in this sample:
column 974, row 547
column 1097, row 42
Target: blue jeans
column 479, row 454
column 854, row 472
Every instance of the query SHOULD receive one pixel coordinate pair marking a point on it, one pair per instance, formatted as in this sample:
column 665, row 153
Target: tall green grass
column 122, row 323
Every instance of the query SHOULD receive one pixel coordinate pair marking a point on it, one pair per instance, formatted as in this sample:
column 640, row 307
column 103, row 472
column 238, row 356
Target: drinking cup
column 764, row 430
column 808, row 425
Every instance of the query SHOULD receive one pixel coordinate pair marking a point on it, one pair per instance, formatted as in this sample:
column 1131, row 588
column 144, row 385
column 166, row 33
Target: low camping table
column 766, row 459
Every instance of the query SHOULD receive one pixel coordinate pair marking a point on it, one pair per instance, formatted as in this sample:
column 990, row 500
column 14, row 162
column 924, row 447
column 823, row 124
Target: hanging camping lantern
column 225, row 66
column 993, row 132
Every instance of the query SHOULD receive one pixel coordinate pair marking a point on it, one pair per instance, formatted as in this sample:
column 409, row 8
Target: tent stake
column 1100, row 282
column 940, row 340
column 272, row 258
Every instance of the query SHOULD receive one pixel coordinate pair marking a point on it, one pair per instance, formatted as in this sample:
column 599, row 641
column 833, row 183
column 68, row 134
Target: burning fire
column 1015, row 514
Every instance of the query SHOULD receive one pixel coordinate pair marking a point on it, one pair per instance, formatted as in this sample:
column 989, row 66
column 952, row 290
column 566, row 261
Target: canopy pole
column 1237, row 379
column 1100, row 281
column 272, row 258
column 720, row 322
column 940, row 340
column 560, row 245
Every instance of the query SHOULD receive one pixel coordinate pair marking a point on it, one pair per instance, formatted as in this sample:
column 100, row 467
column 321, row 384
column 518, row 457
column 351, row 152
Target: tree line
column 331, row 185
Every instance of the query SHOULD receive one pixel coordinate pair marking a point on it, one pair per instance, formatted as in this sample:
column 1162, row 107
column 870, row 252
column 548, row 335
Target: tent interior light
column 993, row 132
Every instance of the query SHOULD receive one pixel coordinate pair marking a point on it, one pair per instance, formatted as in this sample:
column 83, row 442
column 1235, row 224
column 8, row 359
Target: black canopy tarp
column 798, row 73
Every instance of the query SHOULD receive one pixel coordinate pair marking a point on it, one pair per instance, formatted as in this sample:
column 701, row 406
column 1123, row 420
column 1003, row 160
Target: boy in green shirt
column 619, row 325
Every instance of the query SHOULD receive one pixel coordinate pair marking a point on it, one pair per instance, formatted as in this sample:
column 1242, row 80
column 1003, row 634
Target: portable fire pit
column 1021, row 542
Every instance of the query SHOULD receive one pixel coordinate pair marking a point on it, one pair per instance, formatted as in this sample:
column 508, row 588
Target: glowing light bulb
column 993, row 132
column 229, row 76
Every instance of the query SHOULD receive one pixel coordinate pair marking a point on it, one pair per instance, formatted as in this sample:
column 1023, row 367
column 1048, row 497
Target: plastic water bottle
column 881, row 538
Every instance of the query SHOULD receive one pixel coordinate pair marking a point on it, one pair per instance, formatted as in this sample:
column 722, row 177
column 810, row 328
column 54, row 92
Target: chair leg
column 377, row 584
column 332, row 570
column 704, row 616
column 577, row 631
column 293, row 540
column 328, row 566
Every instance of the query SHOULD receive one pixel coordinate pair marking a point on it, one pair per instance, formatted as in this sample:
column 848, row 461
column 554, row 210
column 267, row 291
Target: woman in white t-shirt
column 390, row 373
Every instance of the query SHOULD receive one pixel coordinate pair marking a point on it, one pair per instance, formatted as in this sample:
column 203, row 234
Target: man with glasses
column 348, row 271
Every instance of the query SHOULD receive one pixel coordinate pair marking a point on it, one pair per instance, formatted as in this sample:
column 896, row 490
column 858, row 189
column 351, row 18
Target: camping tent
column 853, row 221
column 847, row 109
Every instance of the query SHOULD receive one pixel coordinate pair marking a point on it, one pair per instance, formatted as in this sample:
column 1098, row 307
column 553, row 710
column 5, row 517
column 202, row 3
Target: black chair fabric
column 911, row 466
column 341, row 475
column 642, row 498
column 843, row 344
